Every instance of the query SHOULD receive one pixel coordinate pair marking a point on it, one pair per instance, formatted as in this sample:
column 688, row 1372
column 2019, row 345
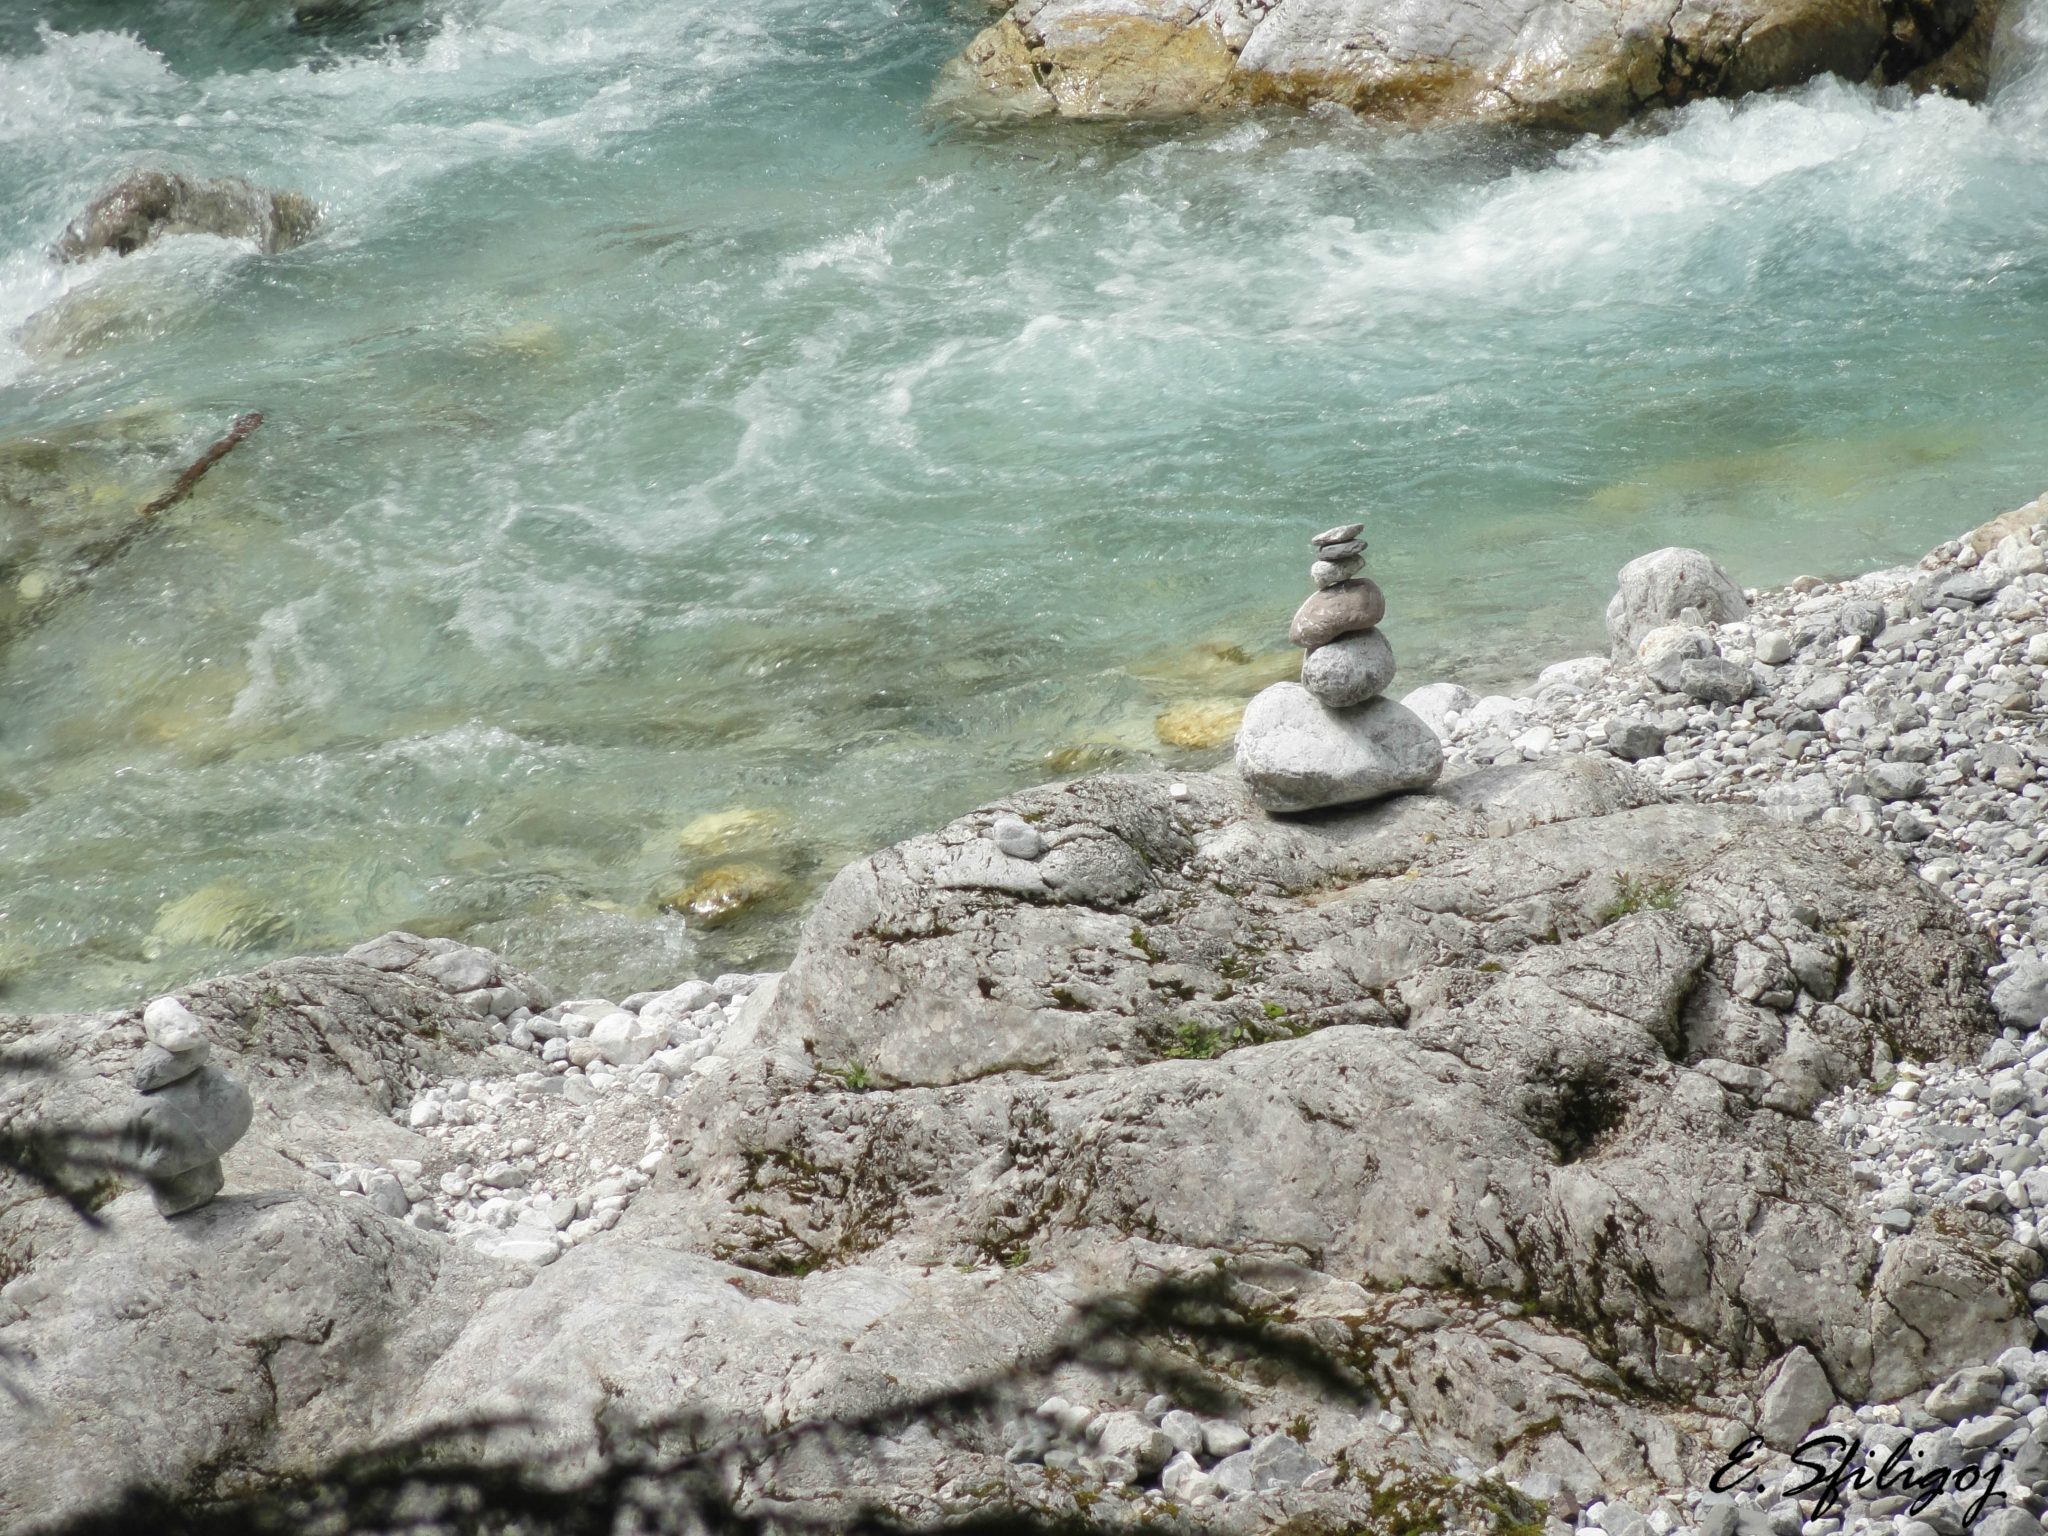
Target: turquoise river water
column 688, row 465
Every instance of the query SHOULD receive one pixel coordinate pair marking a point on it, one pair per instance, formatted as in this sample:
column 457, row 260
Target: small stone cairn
column 188, row 1113
column 1333, row 738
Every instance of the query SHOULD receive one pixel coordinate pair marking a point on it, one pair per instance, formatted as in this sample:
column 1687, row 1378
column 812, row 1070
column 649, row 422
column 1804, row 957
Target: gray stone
column 1983, row 1433
column 393, row 951
column 1798, row 1398
column 1334, row 573
column 1824, row 692
column 1715, row 680
column 385, row 1194
column 1273, row 1461
column 1773, row 647
column 1221, row 1438
column 1634, row 740
column 186, row 1124
column 2022, row 997
column 1183, row 1430
column 1128, row 1437
column 1661, row 587
column 1349, row 671
column 1175, row 1475
column 2007, row 1520
column 1433, row 703
column 1896, row 781
column 461, row 970
column 1343, row 533
column 1333, row 612
column 1668, row 648
column 1017, row 837
column 1352, row 549
column 1969, row 1392
column 1619, row 1519
column 156, row 1066
column 1962, row 589
column 144, row 206
column 1298, row 755
column 1860, row 618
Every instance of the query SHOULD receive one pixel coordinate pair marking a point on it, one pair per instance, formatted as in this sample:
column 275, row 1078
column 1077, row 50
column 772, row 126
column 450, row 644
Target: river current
column 687, row 465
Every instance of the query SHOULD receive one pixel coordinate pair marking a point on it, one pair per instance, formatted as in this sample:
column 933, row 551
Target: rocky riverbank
column 1599, row 1108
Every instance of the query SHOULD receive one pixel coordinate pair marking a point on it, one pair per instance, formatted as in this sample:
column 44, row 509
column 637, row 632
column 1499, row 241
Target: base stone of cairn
column 1332, row 739
column 187, row 1113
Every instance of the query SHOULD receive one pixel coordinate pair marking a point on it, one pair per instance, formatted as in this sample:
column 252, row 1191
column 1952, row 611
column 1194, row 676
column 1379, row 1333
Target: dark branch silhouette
column 676, row 1474
column 94, row 557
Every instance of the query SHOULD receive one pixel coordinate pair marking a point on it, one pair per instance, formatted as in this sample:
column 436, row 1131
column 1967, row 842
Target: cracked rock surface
column 1505, row 1093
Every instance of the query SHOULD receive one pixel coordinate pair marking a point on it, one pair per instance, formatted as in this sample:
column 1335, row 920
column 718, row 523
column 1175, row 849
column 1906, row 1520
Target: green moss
column 1633, row 895
column 1143, row 945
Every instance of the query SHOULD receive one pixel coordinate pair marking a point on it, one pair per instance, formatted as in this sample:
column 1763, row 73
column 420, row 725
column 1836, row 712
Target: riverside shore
column 546, row 1124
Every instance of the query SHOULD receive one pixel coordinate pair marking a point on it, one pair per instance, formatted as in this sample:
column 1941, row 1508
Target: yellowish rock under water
column 726, row 891
column 1199, row 723
column 224, row 914
column 719, row 832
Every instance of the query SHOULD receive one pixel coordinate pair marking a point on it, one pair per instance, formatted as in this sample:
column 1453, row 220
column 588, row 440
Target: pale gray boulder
column 1664, row 587
column 1297, row 754
column 1435, row 703
column 1798, row 1398
column 2022, row 997
column 1350, row 670
column 144, row 206
column 1581, row 64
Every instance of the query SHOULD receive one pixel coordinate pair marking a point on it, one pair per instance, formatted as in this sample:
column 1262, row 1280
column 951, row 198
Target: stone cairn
column 188, row 1113
column 1332, row 738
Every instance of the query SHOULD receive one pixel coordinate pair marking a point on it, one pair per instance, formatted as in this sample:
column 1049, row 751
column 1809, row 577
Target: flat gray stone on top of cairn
column 1332, row 738
column 188, row 1114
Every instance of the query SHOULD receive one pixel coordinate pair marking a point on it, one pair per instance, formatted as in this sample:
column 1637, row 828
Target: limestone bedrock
column 1410, row 1066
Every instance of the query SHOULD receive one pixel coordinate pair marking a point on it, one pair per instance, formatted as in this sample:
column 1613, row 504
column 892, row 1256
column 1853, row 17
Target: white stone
column 1434, row 703
column 1297, row 755
column 170, row 1024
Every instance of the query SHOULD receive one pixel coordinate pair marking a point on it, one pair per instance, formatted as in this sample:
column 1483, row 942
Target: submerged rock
column 1582, row 64
column 144, row 206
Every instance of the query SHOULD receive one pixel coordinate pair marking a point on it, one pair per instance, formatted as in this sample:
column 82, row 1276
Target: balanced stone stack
column 1333, row 738
column 189, row 1113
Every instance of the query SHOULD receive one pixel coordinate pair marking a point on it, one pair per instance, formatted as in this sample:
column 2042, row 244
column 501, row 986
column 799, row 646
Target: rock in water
column 143, row 206
column 1576, row 64
column 1298, row 755
column 1656, row 589
column 1349, row 671
column 1331, row 613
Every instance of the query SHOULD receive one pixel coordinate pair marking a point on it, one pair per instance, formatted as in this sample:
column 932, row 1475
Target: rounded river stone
column 1334, row 612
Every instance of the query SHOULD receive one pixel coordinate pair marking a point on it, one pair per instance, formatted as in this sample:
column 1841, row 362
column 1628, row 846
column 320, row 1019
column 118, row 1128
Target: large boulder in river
column 144, row 206
column 1584, row 64
column 1470, row 1087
